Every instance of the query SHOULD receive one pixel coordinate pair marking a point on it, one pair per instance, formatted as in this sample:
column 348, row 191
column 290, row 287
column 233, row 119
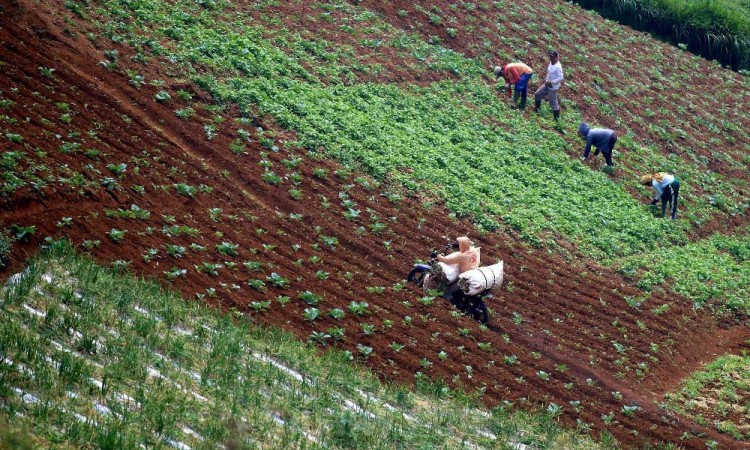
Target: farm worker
column 551, row 85
column 603, row 139
column 667, row 189
column 517, row 75
column 467, row 256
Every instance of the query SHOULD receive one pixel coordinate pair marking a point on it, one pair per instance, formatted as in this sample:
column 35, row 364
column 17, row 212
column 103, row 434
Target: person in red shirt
column 518, row 75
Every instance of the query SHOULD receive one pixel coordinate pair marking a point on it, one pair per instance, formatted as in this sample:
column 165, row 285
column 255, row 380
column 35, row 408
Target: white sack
column 475, row 281
column 449, row 272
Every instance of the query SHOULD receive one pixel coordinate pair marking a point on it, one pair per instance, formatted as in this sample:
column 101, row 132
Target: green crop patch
column 718, row 396
column 713, row 272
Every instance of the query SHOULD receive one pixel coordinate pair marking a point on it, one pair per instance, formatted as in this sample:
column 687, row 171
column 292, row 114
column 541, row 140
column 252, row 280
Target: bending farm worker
column 467, row 256
column 603, row 139
column 551, row 85
column 517, row 75
column 667, row 189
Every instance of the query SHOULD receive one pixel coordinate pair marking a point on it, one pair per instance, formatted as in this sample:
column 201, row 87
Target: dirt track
column 572, row 312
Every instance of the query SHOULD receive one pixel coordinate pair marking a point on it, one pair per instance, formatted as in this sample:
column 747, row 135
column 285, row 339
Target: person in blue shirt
column 667, row 188
column 602, row 138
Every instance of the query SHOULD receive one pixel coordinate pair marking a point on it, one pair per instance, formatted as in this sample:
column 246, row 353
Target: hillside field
column 288, row 162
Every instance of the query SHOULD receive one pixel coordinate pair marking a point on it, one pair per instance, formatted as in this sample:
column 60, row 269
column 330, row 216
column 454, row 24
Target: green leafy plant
column 337, row 313
column 116, row 235
column 311, row 314
column 359, row 308
column 310, row 298
column 277, row 280
column 227, row 248
column 185, row 189
column 22, row 233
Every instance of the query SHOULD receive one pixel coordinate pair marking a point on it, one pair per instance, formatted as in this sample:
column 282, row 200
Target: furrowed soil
column 567, row 321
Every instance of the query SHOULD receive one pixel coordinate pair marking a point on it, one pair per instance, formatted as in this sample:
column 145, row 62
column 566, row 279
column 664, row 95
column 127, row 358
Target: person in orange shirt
column 518, row 75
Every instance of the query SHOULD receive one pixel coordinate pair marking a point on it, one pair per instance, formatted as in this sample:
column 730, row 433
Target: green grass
column 718, row 395
column 78, row 340
column 717, row 29
column 6, row 245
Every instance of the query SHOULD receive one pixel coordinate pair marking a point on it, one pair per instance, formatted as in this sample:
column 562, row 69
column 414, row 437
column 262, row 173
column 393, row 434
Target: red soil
column 571, row 311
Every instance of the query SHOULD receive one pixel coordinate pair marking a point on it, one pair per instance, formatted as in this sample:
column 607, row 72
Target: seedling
column 116, row 235
column 258, row 285
column 311, row 313
column 337, row 313
column 185, row 189
column 174, row 273
column 310, row 298
column 64, row 222
column 277, row 280
column 208, row 268
column 227, row 248
column 253, row 266
column 260, row 306
column 337, row 333
column 359, row 308
column 22, row 233
column 396, row 347
column 364, row 350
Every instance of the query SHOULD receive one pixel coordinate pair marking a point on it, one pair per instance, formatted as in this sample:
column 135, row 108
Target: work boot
column 516, row 94
column 556, row 114
column 537, row 105
column 522, row 106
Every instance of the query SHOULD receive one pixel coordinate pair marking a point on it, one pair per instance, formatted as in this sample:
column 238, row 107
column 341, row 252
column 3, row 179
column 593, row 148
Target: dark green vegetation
column 716, row 29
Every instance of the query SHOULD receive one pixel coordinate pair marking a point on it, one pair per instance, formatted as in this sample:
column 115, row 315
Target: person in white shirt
column 667, row 189
column 551, row 85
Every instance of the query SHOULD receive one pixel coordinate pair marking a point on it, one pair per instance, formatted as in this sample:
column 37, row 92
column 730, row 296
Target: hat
column 498, row 71
column 553, row 54
column 646, row 179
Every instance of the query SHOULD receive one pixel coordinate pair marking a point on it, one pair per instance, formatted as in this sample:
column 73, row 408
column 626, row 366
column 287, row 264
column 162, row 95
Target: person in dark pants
column 548, row 90
column 667, row 189
column 517, row 75
column 602, row 138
